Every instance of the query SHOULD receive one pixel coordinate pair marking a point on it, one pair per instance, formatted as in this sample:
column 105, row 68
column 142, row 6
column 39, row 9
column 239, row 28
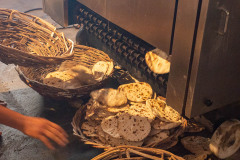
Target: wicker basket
column 78, row 119
column 83, row 55
column 136, row 153
column 27, row 40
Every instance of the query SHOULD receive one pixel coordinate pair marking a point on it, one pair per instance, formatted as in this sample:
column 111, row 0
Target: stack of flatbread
column 72, row 75
column 125, row 116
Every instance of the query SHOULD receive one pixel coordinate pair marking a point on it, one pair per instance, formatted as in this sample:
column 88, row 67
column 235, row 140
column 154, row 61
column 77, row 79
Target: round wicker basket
column 78, row 119
column 136, row 153
column 27, row 40
column 83, row 55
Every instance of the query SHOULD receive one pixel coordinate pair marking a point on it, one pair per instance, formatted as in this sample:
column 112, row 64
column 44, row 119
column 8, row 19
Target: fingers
column 58, row 134
column 56, row 138
column 46, row 142
column 58, row 128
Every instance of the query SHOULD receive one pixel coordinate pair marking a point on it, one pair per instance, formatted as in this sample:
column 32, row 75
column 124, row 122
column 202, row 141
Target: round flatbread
column 110, row 126
column 196, row 144
column 89, row 129
column 101, row 69
column 122, row 108
column 142, row 110
column 162, row 125
column 164, row 112
column 58, row 79
column 156, row 63
column 137, row 92
column 109, row 97
column 226, row 139
column 133, row 128
column 158, row 137
column 84, row 75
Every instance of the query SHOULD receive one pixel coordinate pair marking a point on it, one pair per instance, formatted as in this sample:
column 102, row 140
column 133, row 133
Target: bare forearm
column 11, row 118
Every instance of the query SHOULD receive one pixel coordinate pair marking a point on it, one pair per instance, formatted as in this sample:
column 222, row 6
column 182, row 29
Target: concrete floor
column 14, row 145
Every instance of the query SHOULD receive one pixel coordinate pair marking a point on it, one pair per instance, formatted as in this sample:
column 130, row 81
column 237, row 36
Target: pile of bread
column 72, row 75
column 128, row 116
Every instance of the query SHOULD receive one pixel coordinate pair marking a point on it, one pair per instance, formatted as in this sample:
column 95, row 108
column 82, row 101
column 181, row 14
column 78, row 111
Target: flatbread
column 89, row 129
column 196, row 144
column 114, row 142
column 226, row 139
column 110, row 126
column 156, row 63
column 73, row 78
column 164, row 112
column 84, row 75
column 156, row 138
column 142, row 110
column 101, row 69
column 93, row 107
column 133, row 128
column 162, row 125
column 122, row 108
column 109, row 97
column 109, row 140
column 137, row 92
column 59, row 79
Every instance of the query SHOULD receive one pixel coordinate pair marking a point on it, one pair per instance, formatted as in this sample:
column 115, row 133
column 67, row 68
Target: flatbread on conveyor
column 101, row 69
column 156, row 63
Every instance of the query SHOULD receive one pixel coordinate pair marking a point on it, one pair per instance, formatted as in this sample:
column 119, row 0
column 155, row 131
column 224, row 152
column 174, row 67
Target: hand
column 44, row 130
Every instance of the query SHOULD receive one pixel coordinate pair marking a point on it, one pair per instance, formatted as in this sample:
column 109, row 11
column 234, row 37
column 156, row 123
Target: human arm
column 39, row 128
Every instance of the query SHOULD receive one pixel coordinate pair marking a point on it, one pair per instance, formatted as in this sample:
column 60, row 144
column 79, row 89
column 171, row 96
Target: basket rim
column 28, row 79
column 127, row 148
column 51, row 29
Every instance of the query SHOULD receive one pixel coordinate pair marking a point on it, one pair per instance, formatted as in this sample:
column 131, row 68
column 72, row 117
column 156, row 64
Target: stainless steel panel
column 98, row 6
column 57, row 10
column 149, row 20
column 215, row 75
column 182, row 46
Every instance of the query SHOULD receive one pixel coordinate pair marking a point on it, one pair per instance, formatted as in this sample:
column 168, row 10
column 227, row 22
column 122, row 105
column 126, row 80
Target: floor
column 14, row 145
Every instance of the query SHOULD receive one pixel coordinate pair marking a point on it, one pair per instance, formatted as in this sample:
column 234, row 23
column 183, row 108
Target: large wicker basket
column 83, row 55
column 78, row 119
column 28, row 40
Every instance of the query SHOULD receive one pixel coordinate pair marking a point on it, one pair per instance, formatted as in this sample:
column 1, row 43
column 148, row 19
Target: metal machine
column 200, row 37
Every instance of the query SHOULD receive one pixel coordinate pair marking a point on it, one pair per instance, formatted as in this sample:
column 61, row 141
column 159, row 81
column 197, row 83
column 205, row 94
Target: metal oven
column 200, row 38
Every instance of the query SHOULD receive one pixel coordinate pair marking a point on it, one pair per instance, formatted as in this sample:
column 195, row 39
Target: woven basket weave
column 136, row 153
column 27, row 40
column 83, row 55
column 78, row 119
